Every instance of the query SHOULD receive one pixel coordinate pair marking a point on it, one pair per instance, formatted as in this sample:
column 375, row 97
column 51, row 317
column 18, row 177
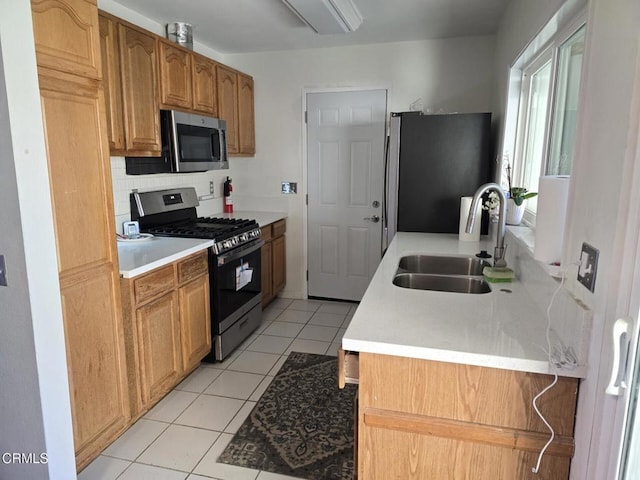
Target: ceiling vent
column 327, row 16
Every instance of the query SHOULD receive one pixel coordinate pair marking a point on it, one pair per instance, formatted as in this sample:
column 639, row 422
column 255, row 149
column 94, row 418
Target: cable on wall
column 559, row 357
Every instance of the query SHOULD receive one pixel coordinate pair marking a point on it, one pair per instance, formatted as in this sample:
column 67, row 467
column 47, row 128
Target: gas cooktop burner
column 226, row 233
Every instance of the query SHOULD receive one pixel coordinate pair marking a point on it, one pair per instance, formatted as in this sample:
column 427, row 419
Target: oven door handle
column 239, row 252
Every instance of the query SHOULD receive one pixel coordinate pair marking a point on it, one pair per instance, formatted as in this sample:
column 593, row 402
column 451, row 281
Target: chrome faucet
column 499, row 251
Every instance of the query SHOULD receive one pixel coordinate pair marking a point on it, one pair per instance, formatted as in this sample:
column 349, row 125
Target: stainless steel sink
column 442, row 283
column 442, row 265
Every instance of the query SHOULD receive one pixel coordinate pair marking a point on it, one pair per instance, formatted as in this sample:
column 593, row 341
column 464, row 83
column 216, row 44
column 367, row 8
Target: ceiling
column 244, row 26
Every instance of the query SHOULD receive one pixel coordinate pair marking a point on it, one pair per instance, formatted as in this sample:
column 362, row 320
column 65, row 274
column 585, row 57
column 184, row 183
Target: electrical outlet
column 588, row 266
column 211, row 187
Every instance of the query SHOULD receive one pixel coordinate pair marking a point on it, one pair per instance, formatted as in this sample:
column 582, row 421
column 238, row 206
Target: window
column 545, row 87
column 565, row 107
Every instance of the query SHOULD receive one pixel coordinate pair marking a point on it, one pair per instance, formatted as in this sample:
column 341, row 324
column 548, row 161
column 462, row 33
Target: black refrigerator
column 432, row 161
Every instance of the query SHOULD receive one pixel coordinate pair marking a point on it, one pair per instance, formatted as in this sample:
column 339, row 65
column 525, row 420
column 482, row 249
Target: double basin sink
column 442, row 273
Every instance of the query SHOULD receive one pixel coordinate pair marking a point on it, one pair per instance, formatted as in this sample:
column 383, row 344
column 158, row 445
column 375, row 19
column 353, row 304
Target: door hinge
column 306, row 199
column 307, row 275
column 305, row 116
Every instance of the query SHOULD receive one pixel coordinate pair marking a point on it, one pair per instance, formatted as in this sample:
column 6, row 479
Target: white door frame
column 623, row 301
column 305, row 160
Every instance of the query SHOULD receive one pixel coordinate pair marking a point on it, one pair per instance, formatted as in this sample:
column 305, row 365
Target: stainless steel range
column 234, row 260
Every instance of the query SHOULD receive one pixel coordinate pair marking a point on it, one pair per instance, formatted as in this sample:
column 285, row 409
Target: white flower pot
column 514, row 212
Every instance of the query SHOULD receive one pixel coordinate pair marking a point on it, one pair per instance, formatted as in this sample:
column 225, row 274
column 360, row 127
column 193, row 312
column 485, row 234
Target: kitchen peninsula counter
column 503, row 329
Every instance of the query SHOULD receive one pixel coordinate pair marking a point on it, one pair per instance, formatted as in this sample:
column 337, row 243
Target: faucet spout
column 499, row 251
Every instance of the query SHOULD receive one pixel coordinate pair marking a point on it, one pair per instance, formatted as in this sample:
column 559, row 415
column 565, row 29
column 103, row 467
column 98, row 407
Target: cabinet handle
column 621, row 340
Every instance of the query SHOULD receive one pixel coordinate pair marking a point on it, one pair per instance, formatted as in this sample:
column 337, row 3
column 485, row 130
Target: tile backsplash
column 123, row 184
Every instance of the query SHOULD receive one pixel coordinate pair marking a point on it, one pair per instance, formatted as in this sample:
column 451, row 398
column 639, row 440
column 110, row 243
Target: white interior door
column 345, row 155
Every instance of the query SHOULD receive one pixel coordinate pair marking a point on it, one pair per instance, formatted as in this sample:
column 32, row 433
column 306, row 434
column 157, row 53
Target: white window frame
column 522, row 130
column 543, row 47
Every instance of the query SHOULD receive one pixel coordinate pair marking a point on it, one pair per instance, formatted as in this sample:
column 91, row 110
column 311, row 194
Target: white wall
column 603, row 125
column 35, row 415
column 454, row 75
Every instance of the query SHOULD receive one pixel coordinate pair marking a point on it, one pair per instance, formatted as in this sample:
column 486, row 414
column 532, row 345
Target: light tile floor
column 181, row 437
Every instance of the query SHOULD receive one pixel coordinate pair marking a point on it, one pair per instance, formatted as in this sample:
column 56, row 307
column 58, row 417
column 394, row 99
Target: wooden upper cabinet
column 227, row 83
column 66, row 36
column 204, row 85
column 139, row 65
column 175, row 76
column 246, row 122
column 111, row 78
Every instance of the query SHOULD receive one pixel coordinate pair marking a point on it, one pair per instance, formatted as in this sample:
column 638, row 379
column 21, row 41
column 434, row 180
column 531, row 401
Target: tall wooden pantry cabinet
column 72, row 99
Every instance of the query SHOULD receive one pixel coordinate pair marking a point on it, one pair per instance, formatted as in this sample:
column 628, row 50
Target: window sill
column 526, row 237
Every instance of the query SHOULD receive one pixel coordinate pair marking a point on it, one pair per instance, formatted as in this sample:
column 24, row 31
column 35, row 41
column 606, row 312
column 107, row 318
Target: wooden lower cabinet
column 95, row 360
column 267, row 273
column 274, row 271
column 421, row 419
column 195, row 327
column 279, row 263
column 167, row 328
column 159, row 352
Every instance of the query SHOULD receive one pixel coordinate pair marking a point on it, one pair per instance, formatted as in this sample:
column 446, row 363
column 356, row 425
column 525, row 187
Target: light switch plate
column 588, row 266
column 289, row 187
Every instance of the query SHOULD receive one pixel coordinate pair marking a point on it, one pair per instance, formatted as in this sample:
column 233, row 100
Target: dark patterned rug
column 302, row 425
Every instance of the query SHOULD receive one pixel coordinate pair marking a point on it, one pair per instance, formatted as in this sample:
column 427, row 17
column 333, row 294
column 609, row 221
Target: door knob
column 374, row 218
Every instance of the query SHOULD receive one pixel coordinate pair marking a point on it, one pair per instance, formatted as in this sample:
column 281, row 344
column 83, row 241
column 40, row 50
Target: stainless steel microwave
column 190, row 143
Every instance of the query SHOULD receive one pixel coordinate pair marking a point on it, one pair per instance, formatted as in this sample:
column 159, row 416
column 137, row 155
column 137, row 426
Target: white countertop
column 136, row 258
column 497, row 329
column 263, row 218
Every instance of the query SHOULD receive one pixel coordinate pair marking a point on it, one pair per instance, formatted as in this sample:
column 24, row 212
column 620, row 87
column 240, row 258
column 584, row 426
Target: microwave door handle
column 223, row 145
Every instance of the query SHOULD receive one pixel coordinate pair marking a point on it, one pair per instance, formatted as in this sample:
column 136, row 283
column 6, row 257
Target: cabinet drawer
column 279, row 228
column 153, row 284
column 348, row 367
column 265, row 232
column 193, row 267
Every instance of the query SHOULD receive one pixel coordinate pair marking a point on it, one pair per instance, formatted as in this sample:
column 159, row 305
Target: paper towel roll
column 465, row 206
column 553, row 196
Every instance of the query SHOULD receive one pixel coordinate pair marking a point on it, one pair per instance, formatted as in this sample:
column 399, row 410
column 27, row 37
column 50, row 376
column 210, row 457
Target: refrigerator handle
column 622, row 329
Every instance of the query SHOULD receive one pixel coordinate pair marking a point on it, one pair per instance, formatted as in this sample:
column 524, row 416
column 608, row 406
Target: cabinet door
column 81, row 190
column 79, row 170
column 204, row 85
column 227, row 82
column 267, row 273
column 175, row 76
column 279, row 264
column 246, row 122
column 139, row 65
column 95, row 359
column 160, row 357
column 195, row 322
column 66, row 36
column 111, row 82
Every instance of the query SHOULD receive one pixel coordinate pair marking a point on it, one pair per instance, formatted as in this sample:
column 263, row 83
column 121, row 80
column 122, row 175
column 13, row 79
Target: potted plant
column 515, row 200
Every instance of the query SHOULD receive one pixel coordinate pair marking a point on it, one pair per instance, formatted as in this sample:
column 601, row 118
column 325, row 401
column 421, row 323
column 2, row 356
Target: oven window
column 235, row 283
